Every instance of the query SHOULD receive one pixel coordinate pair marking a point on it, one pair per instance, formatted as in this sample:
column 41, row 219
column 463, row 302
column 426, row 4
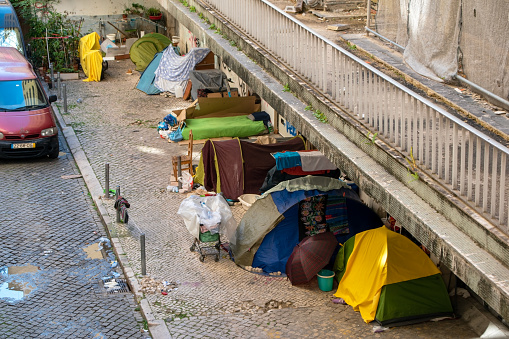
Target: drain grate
column 114, row 286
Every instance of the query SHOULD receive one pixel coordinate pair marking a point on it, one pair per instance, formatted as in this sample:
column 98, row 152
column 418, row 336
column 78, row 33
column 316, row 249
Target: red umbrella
column 309, row 257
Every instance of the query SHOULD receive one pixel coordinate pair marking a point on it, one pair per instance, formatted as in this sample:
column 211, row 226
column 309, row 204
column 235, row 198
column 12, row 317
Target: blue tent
column 272, row 227
column 146, row 82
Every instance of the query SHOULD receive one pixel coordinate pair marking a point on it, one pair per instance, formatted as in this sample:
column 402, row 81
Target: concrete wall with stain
column 98, row 7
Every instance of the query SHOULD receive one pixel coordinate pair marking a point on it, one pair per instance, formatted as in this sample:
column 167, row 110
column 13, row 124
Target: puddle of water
column 93, row 251
column 19, row 269
column 16, row 289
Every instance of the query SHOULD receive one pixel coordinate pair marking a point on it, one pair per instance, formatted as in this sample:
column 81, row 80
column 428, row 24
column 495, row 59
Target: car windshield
column 21, row 95
column 11, row 37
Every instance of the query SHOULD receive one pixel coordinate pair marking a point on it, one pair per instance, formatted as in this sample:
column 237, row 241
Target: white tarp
column 174, row 69
column 442, row 38
column 432, row 47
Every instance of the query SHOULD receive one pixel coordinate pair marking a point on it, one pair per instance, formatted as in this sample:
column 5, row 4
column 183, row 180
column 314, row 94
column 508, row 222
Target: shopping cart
column 204, row 217
column 207, row 244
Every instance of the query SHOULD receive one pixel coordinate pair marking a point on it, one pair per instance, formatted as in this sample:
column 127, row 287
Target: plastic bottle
column 206, row 209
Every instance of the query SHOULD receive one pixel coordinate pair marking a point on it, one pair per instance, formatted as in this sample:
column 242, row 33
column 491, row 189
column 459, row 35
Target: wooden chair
column 186, row 161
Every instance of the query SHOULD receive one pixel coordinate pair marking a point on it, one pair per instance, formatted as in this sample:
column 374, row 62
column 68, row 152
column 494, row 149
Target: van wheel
column 55, row 151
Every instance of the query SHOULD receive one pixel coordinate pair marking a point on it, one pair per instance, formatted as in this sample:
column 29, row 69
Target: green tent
column 144, row 49
column 389, row 279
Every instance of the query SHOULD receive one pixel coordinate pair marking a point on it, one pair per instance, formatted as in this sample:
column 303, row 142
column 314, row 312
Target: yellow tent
column 90, row 56
column 388, row 278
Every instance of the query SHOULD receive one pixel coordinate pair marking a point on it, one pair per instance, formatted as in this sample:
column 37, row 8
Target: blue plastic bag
column 176, row 135
column 162, row 126
column 171, row 120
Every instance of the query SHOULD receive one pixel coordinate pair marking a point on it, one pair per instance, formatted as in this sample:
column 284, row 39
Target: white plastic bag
column 187, row 181
column 191, row 209
column 210, row 219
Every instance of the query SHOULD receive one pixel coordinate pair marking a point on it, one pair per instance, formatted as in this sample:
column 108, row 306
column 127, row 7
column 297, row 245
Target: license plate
column 23, row 145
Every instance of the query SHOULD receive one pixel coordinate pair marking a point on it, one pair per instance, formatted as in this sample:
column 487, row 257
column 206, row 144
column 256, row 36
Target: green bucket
column 209, row 237
column 325, row 280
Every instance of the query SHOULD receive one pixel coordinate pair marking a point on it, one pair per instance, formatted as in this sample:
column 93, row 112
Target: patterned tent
column 294, row 209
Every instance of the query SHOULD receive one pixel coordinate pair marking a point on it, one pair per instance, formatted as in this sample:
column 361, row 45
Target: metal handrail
column 472, row 164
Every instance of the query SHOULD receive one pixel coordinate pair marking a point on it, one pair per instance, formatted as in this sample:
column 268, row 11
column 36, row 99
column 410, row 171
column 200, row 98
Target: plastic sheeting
column 433, row 39
column 191, row 210
column 174, row 69
column 392, row 20
column 442, row 38
column 484, row 44
column 212, row 79
column 90, row 57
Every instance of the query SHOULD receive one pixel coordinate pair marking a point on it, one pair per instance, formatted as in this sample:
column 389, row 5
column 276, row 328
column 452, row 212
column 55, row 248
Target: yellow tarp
column 90, row 57
column 380, row 257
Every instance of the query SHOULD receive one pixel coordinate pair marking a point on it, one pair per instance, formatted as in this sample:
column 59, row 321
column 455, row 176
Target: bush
column 44, row 22
column 152, row 11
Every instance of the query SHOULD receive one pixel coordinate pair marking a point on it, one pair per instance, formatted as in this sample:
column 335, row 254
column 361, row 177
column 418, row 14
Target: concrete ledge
column 343, row 141
column 484, row 324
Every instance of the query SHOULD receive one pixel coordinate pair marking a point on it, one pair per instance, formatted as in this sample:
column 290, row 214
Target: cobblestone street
column 49, row 287
column 116, row 124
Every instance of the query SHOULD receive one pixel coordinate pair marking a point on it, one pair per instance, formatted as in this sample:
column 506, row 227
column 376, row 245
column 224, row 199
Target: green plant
column 181, row 315
column 135, row 9
column 371, row 138
column 308, row 108
column 413, row 170
column 62, row 49
column 351, row 46
column 192, row 9
column 286, row 88
column 152, row 11
column 320, row 116
column 213, row 26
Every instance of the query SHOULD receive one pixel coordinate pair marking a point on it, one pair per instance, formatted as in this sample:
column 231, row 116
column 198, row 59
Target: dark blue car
column 10, row 29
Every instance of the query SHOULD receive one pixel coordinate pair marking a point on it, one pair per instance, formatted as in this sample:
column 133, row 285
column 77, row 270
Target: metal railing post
column 107, row 181
column 142, row 254
column 64, row 90
column 179, row 171
column 117, row 194
column 368, row 17
column 52, row 72
column 59, row 86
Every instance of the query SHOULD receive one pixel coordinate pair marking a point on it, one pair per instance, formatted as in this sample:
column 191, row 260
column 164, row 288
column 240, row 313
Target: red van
column 27, row 122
